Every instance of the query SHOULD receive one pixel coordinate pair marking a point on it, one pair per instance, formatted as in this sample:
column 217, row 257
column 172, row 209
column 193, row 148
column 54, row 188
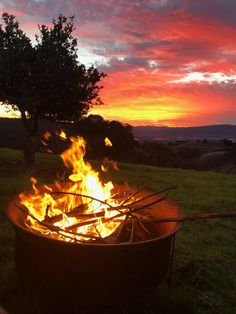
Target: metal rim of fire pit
column 13, row 219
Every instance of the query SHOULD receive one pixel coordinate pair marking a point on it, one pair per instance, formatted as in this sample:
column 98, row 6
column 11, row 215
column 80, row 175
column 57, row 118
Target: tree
column 95, row 129
column 45, row 81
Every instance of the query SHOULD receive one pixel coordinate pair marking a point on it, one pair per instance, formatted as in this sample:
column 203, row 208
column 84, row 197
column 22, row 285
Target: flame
column 84, row 191
column 113, row 162
column 63, row 135
column 47, row 135
column 107, row 142
column 103, row 168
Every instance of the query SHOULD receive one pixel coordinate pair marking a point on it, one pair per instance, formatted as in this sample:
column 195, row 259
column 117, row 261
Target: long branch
column 203, row 216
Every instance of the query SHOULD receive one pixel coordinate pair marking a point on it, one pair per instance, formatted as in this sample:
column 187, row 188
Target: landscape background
column 211, row 148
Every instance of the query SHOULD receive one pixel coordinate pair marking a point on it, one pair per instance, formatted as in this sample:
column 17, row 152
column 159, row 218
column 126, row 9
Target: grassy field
column 204, row 277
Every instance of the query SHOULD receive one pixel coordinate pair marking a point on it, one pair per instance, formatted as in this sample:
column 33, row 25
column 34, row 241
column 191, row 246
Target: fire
column 114, row 163
column 84, row 195
column 107, row 142
column 62, row 135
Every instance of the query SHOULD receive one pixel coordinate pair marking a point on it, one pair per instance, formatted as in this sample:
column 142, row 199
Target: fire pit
column 97, row 273
column 92, row 243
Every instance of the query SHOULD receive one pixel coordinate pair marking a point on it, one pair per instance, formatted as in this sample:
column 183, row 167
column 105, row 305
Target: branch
column 191, row 218
column 152, row 194
column 82, row 195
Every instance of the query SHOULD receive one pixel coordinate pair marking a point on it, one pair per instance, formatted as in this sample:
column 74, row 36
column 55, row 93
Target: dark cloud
column 221, row 10
column 127, row 64
column 151, row 44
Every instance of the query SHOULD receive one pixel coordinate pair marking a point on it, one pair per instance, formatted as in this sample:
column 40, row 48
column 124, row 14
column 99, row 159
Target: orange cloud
column 168, row 62
column 143, row 97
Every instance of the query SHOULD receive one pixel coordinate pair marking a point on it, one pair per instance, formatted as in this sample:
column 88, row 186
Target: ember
column 85, row 209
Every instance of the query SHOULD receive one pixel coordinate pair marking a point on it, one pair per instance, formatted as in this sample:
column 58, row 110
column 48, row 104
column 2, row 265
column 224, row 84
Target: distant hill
column 12, row 132
column 151, row 133
column 202, row 148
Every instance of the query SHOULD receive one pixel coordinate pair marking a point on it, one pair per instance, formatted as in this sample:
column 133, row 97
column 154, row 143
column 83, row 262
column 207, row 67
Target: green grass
column 204, row 277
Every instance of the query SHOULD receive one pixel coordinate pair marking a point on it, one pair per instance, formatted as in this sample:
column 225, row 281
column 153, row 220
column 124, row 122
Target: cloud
column 216, row 77
column 168, row 61
column 223, row 11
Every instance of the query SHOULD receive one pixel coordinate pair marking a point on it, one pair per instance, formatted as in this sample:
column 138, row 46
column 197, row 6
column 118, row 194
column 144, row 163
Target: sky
column 168, row 62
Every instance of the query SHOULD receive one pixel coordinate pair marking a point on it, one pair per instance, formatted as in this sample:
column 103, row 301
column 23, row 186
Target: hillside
column 10, row 127
column 185, row 133
column 181, row 149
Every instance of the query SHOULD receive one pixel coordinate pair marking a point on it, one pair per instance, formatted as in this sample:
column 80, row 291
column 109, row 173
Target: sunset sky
column 169, row 62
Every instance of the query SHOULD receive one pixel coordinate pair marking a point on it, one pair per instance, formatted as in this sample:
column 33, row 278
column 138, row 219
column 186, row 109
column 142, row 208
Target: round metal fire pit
column 72, row 274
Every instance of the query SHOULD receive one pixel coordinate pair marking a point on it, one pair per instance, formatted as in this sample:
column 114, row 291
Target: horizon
column 177, row 71
column 155, row 126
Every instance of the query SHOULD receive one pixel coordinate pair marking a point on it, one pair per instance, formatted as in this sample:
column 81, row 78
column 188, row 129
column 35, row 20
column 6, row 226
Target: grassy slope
column 204, row 279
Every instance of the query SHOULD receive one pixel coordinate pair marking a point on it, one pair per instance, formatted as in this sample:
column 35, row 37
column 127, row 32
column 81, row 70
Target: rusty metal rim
column 10, row 204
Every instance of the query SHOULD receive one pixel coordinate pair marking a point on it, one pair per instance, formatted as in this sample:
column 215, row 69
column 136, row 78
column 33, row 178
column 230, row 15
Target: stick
column 144, row 228
column 203, row 216
column 132, row 230
column 116, row 195
column 122, row 229
column 104, row 220
column 132, row 195
column 147, row 205
column 82, row 195
column 152, row 194
column 46, row 214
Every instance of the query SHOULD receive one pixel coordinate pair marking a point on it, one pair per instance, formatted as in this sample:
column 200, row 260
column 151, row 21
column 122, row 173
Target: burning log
column 74, row 212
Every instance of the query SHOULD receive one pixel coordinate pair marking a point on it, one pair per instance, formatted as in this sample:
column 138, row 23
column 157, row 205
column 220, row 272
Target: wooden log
column 56, row 229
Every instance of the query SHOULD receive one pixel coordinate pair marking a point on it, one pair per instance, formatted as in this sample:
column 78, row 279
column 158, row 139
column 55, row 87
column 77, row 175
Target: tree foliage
column 16, row 57
column 95, row 129
column 45, row 81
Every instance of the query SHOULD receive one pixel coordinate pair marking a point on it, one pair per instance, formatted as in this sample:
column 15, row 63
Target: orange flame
column 103, row 168
column 47, row 135
column 94, row 196
column 113, row 162
column 62, row 135
column 107, row 142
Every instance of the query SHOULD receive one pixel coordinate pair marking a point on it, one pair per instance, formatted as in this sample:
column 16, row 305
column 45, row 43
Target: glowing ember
column 85, row 195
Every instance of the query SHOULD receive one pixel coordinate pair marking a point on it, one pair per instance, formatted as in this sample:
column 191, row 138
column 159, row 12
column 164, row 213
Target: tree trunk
column 31, row 128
